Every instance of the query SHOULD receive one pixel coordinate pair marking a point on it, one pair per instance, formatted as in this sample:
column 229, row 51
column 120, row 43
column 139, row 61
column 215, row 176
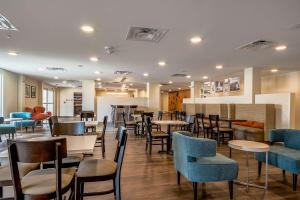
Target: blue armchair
column 196, row 159
column 286, row 156
column 26, row 122
column 6, row 129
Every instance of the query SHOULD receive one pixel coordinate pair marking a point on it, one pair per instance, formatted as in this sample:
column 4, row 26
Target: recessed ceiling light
column 41, row 69
column 131, row 84
column 87, row 29
column 188, row 76
column 94, row 59
column 55, row 77
column 162, row 63
column 280, row 47
column 12, row 53
column 219, row 67
column 195, row 40
column 98, row 79
column 146, row 74
column 170, row 82
column 97, row 72
column 205, row 77
column 64, row 82
column 179, row 88
column 274, row 70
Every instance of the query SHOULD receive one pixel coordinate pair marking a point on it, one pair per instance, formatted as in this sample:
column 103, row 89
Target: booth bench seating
column 286, row 156
column 26, row 123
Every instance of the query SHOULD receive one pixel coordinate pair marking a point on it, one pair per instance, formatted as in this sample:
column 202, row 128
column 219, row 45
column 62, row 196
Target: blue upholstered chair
column 285, row 156
column 5, row 129
column 26, row 122
column 196, row 159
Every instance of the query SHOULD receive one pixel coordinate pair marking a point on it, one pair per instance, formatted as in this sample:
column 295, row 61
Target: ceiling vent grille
column 119, row 72
column 179, row 75
column 6, row 25
column 258, row 45
column 146, row 34
column 55, row 68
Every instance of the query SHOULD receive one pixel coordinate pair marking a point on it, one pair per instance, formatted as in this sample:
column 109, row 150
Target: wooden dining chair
column 42, row 183
column 154, row 137
column 101, row 137
column 203, row 125
column 69, row 128
column 96, row 170
column 218, row 131
column 52, row 120
column 130, row 125
column 87, row 115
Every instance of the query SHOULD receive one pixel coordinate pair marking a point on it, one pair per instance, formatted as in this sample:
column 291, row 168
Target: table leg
column 169, row 138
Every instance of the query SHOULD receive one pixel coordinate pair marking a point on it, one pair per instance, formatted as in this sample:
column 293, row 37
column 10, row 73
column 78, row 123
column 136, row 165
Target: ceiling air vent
column 6, row 25
column 146, row 34
column 119, row 72
column 258, row 45
column 179, row 75
column 55, row 68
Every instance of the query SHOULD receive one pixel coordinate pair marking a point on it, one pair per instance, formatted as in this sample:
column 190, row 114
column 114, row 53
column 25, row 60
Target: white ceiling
column 49, row 36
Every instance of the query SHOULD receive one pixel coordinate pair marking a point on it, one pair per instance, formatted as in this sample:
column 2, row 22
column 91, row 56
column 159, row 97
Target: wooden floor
column 153, row 176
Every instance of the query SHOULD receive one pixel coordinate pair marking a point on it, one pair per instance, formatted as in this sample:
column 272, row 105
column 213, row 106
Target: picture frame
column 33, row 92
column 27, row 91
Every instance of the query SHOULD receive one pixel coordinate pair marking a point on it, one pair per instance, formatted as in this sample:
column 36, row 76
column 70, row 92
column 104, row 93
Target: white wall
column 10, row 92
column 104, row 104
column 67, row 101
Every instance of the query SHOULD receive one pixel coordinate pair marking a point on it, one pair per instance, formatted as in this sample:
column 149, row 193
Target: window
column 48, row 100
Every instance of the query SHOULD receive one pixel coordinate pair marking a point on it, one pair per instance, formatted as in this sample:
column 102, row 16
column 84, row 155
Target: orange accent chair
column 38, row 113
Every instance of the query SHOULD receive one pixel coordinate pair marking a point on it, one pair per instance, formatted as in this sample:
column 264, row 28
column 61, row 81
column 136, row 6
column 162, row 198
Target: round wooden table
column 251, row 146
column 169, row 123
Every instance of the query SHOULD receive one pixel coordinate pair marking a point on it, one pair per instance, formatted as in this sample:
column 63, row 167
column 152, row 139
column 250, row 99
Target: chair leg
column 33, row 129
column 150, row 147
column 195, row 186
column 114, row 184
column 295, row 181
column 26, row 129
column 1, row 192
column 103, row 150
column 178, row 177
column 259, row 168
column 77, row 190
column 230, row 184
column 118, row 189
column 162, row 144
column 146, row 144
column 81, row 190
column 283, row 172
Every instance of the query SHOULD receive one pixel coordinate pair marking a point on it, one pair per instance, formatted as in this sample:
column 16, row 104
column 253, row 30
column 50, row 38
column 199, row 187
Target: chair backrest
column 52, row 120
column 104, row 126
column 36, row 151
column 119, row 131
column 214, row 121
column 148, row 124
column 86, row 115
column 69, row 128
column 159, row 115
column 145, row 115
column 124, row 118
column 24, row 115
column 290, row 137
column 1, row 120
column 39, row 109
column 120, row 151
column 187, row 149
column 200, row 118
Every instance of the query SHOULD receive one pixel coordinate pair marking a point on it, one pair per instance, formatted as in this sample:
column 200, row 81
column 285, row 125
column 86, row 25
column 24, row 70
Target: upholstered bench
column 5, row 129
column 286, row 156
column 26, row 123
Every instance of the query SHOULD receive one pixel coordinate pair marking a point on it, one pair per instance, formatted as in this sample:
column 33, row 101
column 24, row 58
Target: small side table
column 251, row 146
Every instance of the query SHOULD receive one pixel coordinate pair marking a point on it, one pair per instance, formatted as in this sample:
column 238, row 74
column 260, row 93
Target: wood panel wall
column 176, row 99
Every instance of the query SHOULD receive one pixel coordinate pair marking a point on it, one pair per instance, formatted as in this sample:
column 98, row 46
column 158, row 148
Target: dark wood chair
column 87, row 115
column 202, row 125
column 96, row 170
column 153, row 137
column 218, row 131
column 42, row 183
column 130, row 125
column 69, row 128
column 52, row 120
column 101, row 137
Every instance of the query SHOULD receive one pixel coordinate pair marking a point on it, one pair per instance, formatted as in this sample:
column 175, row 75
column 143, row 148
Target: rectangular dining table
column 75, row 144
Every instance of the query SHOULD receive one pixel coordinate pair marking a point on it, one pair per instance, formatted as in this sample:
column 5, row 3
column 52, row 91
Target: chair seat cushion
column 223, row 129
column 43, row 181
column 282, row 157
column 7, row 128
column 24, row 168
column 24, row 123
column 215, row 168
column 159, row 134
column 96, row 168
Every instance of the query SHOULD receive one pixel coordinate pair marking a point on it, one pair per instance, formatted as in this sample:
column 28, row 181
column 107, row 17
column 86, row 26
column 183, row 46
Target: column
column 153, row 94
column 195, row 89
column 88, row 95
